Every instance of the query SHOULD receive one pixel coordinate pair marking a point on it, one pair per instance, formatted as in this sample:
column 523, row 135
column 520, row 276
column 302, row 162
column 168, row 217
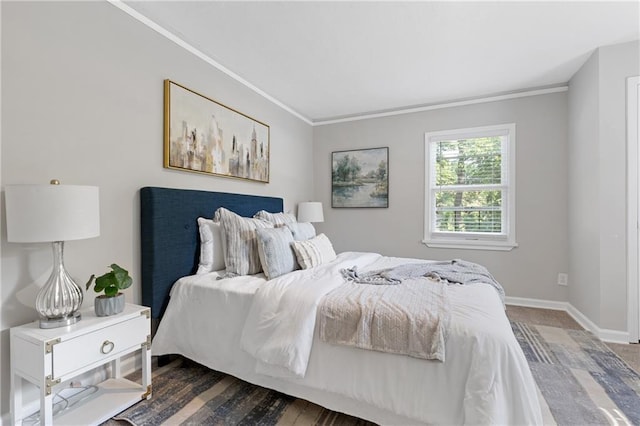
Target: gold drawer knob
column 107, row 346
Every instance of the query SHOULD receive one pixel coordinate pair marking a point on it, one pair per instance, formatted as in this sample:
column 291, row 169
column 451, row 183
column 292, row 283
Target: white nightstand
column 48, row 357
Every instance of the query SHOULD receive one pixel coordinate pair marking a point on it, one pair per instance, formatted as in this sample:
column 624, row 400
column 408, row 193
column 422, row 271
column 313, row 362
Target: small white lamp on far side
column 54, row 213
column 310, row 211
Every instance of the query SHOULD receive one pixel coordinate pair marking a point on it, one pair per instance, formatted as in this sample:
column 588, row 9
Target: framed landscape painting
column 205, row 136
column 360, row 178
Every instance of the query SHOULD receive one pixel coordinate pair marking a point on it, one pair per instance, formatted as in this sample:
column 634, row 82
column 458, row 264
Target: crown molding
column 431, row 107
column 357, row 117
column 177, row 40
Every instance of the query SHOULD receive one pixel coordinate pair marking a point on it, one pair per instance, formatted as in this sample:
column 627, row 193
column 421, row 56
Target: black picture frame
column 360, row 178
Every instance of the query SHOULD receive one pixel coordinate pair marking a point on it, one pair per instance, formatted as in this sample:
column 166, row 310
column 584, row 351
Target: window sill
column 471, row 244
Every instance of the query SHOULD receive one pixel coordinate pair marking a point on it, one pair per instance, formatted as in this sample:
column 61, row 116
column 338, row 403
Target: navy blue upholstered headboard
column 170, row 238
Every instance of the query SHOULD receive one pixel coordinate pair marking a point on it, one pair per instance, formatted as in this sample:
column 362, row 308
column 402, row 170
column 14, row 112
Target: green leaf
column 126, row 283
column 106, row 281
column 93, row 277
column 111, row 291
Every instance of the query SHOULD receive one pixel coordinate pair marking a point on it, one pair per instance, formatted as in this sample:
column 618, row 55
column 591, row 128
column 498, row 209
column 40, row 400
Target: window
column 470, row 188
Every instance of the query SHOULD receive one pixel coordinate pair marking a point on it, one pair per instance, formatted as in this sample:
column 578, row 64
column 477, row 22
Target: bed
column 485, row 378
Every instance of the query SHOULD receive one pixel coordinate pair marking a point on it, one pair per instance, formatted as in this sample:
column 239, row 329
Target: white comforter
column 485, row 379
column 279, row 329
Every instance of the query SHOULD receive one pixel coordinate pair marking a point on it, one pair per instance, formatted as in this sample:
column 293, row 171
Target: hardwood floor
column 629, row 353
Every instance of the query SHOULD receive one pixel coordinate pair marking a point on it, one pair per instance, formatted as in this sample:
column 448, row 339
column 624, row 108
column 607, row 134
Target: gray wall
column 529, row 270
column 82, row 101
column 584, row 226
column 597, row 146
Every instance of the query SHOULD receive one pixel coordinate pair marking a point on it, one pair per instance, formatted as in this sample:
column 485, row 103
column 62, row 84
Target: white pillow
column 239, row 233
column 301, row 230
column 211, row 249
column 276, row 254
column 314, row 252
column 278, row 219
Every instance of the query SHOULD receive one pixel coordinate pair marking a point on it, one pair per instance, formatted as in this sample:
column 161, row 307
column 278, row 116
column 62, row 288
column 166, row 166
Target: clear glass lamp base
column 60, row 298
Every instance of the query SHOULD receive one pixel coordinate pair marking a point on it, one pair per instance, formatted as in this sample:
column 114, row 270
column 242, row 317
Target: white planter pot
column 105, row 306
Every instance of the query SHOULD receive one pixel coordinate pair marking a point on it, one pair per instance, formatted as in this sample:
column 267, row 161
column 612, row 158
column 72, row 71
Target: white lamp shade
column 310, row 211
column 47, row 213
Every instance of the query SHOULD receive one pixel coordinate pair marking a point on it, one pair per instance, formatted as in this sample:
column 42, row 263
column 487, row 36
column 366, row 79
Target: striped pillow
column 301, row 230
column 241, row 256
column 276, row 255
column 278, row 219
column 314, row 252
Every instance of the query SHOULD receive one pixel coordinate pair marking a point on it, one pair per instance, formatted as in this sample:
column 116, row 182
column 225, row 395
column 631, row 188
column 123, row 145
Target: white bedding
column 279, row 329
column 485, row 379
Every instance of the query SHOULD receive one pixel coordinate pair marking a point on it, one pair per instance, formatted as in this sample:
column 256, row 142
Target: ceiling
column 328, row 60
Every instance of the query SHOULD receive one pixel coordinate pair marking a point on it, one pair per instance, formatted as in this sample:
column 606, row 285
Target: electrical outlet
column 563, row 279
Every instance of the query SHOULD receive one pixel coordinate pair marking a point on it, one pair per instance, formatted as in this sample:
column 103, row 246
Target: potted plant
column 112, row 301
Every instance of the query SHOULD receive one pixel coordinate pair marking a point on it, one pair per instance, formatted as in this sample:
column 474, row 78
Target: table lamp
column 54, row 213
column 310, row 211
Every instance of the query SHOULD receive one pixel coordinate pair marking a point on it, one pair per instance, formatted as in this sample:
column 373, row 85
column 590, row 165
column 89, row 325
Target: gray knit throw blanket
column 453, row 271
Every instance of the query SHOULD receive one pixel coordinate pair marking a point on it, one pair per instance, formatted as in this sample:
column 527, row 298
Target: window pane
column 474, row 161
column 468, row 211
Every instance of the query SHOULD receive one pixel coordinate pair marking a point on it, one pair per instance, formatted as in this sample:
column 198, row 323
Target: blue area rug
column 187, row 393
column 581, row 380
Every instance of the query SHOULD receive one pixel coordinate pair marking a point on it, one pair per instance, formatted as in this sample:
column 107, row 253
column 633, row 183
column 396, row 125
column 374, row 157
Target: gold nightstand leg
column 147, row 394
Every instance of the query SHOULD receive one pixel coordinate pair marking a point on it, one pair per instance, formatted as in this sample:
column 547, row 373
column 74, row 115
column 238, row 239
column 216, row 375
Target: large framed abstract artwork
column 360, row 178
column 204, row 136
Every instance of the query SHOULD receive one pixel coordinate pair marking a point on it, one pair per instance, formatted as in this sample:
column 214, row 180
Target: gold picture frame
column 202, row 135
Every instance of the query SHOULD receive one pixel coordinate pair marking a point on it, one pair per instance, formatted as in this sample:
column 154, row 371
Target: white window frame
column 472, row 240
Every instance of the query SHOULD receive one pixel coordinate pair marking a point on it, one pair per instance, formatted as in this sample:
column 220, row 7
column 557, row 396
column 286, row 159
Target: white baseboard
column 606, row 335
column 536, row 303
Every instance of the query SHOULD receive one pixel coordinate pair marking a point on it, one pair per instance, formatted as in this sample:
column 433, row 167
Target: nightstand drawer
column 93, row 347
